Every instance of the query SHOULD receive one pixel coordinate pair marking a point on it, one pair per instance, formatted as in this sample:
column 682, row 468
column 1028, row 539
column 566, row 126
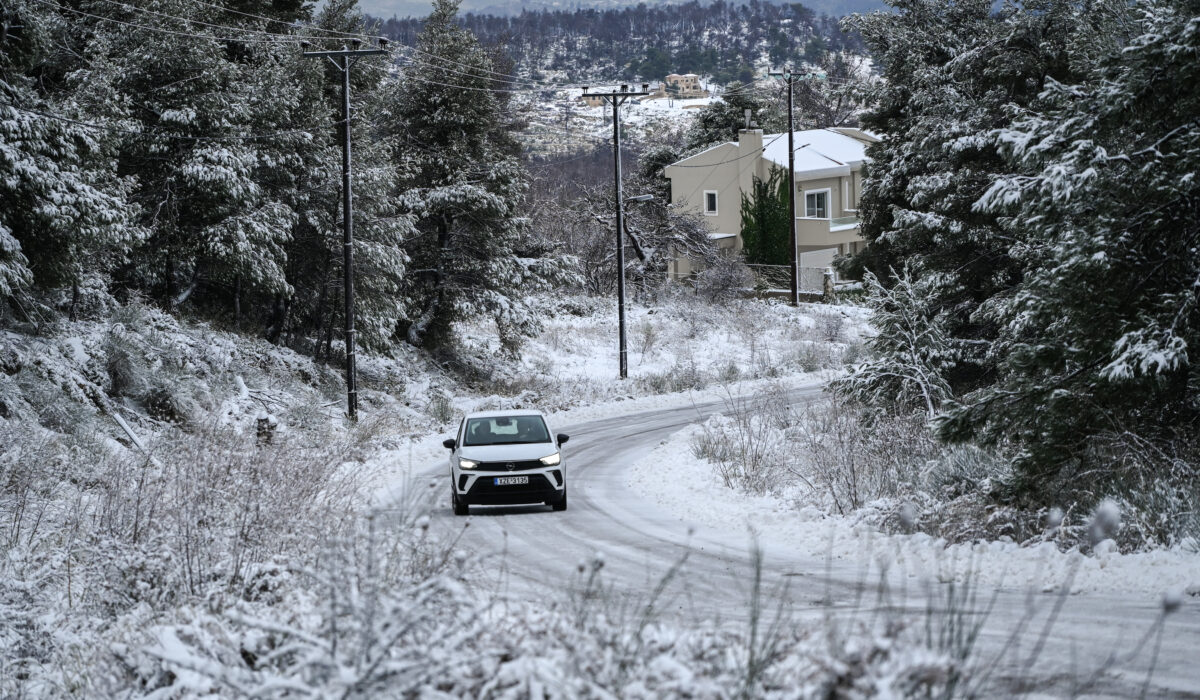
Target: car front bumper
column 480, row 488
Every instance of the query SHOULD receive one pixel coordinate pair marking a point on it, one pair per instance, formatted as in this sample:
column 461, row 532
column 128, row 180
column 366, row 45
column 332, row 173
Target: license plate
column 511, row 480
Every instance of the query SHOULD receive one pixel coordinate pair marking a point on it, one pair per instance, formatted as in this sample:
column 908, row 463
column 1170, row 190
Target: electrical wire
column 284, row 22
column 153, row 131
column 222, row 27
column 736, row 174
column 159, row 30
column 734, row 160
column 266, row 37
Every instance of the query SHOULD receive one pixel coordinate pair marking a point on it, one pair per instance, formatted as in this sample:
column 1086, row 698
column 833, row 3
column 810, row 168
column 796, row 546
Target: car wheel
column 560, row 504
column 460, row 508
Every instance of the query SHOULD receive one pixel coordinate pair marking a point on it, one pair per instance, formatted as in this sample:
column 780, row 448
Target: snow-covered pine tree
column 953, row 72
column 462, row 184
column 315, row 258
column 62, row 214
column 1097, row 345
column 210, row 197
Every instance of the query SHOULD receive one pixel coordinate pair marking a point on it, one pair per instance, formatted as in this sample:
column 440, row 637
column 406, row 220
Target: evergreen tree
column 62, row 214
column 1097, row 372
column 462, row 184
column 953, row 72
column 212, row 195
column 766, row 239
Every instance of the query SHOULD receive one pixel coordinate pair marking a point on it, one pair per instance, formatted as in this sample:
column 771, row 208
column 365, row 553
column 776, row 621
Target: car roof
column 498, row 414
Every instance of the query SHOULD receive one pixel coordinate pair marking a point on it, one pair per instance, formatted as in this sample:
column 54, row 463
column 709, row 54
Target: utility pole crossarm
column 345, row 52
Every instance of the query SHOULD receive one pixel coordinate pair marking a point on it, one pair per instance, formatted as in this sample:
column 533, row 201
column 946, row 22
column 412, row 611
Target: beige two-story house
column 828, row 186
column 683, row 86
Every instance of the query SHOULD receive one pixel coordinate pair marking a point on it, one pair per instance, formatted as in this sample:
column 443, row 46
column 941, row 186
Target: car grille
column 538, row 484
column 516, row 466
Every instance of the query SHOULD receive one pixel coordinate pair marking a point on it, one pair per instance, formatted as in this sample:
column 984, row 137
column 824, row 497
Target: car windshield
column 505, row 430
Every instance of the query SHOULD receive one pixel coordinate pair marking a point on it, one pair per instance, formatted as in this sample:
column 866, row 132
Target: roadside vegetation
column 1031, row 268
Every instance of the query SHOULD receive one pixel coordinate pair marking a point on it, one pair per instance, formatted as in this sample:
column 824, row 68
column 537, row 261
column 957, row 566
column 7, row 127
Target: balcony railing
column 843, row 221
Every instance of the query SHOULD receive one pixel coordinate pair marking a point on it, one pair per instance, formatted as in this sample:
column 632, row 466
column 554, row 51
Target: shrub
column 852, row 455
column 746, row 444
column 723, row 280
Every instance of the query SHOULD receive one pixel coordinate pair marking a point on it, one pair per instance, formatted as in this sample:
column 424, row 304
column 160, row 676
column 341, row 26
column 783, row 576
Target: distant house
column 683, row 86
column 674, row 85
column 828, row 186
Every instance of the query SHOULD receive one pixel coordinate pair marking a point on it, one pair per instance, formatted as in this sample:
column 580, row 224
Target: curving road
column 532, row 550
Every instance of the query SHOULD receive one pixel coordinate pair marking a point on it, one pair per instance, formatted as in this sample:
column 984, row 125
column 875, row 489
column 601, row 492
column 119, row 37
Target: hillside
column 723, row 41
column 412, row 8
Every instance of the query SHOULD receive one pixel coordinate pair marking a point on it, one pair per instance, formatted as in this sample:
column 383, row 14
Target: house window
column 816, row 204
column 710, row 202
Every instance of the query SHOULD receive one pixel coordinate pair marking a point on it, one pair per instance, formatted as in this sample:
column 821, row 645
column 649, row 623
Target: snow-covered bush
column 912, row 353
column 746, row 443
column 725, row 279
column 850, row 455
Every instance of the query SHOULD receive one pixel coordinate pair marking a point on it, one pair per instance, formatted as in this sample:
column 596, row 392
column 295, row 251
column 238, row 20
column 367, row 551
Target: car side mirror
column 563, row 437
column 449, row 444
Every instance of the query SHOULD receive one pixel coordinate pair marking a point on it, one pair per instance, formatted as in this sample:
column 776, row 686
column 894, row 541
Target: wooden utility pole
column 344, row 60
column 616, row 99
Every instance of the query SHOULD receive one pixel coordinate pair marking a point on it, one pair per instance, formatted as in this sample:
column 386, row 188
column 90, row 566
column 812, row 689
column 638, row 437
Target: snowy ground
column 673, row 478
column 300, row 590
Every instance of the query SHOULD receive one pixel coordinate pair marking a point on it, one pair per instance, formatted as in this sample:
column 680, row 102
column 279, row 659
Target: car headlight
column 467, row 463
column 551, row 461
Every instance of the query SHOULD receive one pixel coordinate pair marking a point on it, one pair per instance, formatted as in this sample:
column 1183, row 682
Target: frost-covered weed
column 441, row 408
column 746, row 443
column 104, row 534
column 852, row 354
column 849, row 457
column 647, row 337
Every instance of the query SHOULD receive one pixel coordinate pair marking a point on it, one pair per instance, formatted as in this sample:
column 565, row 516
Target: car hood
column 508, row 453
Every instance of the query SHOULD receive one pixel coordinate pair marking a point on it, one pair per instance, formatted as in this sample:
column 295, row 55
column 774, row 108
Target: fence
column 779, row 277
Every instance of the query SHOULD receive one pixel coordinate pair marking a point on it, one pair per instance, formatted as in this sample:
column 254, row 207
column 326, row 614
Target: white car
column 506, row 458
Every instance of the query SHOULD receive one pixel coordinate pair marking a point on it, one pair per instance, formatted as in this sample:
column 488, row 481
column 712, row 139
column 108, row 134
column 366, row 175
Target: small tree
column 470, row 256
column 913, row 352
column 765, row 215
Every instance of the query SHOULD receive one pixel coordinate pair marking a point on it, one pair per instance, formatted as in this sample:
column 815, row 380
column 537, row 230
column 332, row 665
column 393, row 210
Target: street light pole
column 616, row 99
column 348, row 57
column 787, row 75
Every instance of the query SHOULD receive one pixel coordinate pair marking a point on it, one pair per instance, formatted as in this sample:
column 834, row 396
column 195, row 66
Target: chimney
column 749, row 141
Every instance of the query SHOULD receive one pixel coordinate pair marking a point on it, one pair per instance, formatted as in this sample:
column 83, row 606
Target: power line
column 733, row 160
column 161, row 30
column 283, row 22
column 152, row 131
column 267, row 37
column 223, row 27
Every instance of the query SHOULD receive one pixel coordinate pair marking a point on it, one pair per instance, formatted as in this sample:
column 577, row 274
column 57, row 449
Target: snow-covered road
column 534, row 553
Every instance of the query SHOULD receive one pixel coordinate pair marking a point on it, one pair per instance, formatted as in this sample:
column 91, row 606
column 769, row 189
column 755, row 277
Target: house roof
column 819, row 152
